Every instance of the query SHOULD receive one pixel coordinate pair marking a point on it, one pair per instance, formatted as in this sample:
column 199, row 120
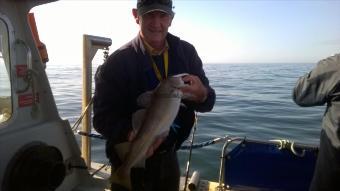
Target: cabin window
column 5, row 82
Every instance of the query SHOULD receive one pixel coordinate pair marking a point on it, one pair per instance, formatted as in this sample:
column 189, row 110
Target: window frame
column 7, row 57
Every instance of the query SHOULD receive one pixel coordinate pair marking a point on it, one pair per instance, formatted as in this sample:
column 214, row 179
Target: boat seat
column 254, row 165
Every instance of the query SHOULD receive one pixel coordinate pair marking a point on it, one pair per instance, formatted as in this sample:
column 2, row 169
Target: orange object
column 41, row 46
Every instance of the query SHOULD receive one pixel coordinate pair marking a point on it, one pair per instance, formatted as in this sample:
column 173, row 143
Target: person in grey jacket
column 318, row 87
column 138, row 67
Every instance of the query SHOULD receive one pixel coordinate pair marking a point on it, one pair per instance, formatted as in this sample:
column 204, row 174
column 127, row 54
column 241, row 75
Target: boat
column 39, row 150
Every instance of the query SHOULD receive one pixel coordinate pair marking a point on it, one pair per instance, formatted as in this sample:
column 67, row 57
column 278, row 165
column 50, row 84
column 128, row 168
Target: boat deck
column 203, row 185
column 104, row 173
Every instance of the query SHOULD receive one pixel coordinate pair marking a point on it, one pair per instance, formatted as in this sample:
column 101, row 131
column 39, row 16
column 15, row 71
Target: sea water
column 252, row 100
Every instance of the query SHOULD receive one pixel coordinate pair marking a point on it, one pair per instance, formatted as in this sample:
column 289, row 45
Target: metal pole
column 86, row 94
column 190, row 152
column 90, row 46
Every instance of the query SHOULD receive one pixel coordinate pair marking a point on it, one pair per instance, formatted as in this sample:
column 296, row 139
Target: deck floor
column 203, row 185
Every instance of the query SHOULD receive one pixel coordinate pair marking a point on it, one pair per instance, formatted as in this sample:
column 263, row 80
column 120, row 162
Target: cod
column 161, row 108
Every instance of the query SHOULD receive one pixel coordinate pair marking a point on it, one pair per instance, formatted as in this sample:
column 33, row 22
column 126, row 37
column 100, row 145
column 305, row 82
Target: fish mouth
column 180, row 75
column 178, row 81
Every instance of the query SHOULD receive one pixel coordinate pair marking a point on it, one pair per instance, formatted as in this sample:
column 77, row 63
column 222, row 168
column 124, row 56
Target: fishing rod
column 190, row 153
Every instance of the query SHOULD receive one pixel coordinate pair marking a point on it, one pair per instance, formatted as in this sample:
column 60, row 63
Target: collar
column 154, row 52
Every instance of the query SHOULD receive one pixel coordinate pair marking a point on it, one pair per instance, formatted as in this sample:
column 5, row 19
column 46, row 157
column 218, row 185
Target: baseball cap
column 146, row 6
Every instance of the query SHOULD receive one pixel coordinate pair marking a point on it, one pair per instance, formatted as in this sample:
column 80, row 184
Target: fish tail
column 121, row 177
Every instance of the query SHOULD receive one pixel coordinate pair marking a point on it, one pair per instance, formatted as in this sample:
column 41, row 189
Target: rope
column 183, row 147
column 97, row 136
column 203, row 144
column 287, row 144
column 91, row 135
column 99, row 169
column 80, row 119
column 283, row 144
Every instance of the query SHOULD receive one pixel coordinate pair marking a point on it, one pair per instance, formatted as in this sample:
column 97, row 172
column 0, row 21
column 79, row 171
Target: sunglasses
column 149, row 2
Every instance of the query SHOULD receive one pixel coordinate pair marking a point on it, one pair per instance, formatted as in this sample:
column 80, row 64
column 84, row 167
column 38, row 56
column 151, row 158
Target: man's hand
column 194, row 89
column 158, row 141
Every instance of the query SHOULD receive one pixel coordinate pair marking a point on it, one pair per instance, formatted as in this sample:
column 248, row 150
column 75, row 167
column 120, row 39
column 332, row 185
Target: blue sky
column 223, row 31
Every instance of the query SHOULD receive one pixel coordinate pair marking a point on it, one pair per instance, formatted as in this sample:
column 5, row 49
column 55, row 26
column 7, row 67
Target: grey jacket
column 322, row 86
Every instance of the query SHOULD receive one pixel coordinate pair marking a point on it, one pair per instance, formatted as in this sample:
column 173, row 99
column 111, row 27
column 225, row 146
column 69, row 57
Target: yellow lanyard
column 166, row 66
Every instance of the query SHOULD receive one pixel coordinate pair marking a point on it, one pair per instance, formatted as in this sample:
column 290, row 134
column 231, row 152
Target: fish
column 150, row 123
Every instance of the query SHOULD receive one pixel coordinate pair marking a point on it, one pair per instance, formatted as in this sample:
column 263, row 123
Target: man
column 318, row 87
column 138, row 67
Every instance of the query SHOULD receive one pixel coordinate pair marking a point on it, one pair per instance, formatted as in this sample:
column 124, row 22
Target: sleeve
column 111, row 116
column 196, row 68
column 320, row 85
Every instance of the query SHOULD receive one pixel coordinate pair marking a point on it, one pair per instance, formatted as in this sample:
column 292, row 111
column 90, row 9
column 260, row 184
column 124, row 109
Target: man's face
column 154, row 26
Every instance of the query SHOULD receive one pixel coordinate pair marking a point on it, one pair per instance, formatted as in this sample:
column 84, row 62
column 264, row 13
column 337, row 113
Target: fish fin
column 121, row 177
column 137, row 119
column 187, row 95
column 144, row 100
column 163, row 134
column 140, row 163
column 183, row 105
column 122, row 149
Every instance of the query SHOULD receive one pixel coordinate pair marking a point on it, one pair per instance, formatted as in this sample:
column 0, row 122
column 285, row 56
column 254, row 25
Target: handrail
column 28, row 77
column 29, row 52
column 221, row 185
